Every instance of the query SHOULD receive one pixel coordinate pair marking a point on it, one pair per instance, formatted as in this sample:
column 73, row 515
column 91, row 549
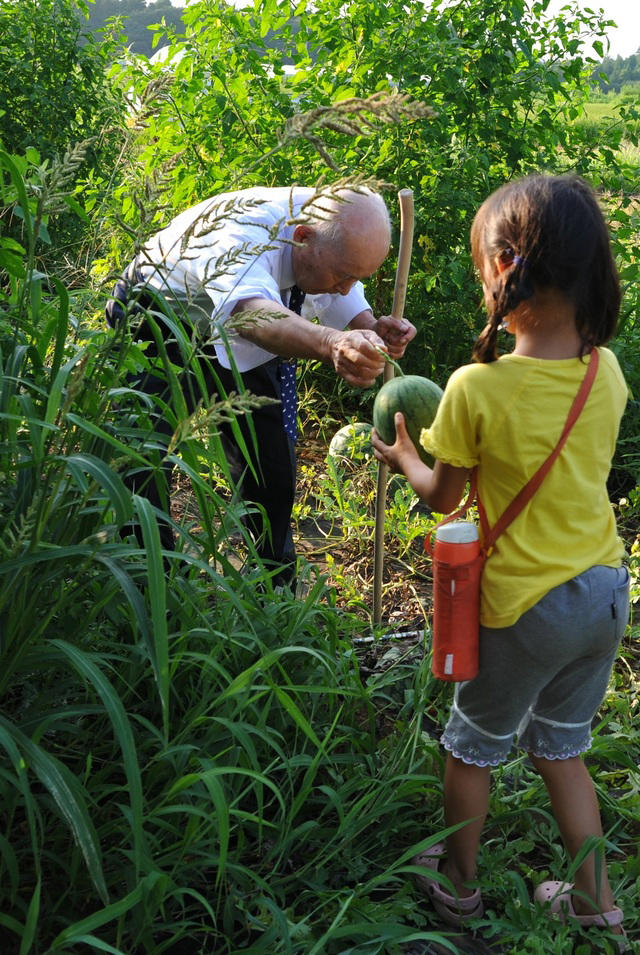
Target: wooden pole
column 405, row 198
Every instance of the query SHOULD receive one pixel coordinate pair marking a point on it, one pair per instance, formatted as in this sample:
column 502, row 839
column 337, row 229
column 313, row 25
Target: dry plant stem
column 405, row 197
column 351, row 117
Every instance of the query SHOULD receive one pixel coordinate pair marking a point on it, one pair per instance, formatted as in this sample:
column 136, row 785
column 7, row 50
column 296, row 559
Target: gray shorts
column 542, row 679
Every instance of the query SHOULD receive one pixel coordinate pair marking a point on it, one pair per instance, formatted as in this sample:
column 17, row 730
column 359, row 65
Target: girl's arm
column 441, row 487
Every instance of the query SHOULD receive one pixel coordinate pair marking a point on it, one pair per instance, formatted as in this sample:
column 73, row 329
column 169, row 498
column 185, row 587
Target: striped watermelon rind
column 417, row 398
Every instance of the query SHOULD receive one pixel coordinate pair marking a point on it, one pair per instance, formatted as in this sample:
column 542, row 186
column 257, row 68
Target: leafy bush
column 209, row 747
column 192, row 762
column 508, row 87
column 53, row 90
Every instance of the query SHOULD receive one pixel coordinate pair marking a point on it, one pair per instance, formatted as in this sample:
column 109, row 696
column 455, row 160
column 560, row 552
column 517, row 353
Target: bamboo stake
column 405, row 198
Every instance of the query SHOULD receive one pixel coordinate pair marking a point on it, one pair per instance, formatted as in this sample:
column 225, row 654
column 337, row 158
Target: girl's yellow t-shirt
column 507, row 417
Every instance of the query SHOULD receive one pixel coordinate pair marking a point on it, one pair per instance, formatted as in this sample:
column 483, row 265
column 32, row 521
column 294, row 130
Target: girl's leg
column 466, row 799
column 575, row 808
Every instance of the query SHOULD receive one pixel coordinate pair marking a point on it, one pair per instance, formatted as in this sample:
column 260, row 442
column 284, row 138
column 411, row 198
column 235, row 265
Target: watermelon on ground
column 354, row 438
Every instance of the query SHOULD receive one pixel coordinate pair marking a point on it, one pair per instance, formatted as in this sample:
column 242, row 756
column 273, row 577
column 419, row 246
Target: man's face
column 320, row 266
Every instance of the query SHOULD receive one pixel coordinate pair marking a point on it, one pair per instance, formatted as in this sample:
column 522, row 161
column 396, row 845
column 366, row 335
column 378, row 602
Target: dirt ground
column 346, row 555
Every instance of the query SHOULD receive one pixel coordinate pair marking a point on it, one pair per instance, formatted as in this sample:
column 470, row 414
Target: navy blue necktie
column 288, row 376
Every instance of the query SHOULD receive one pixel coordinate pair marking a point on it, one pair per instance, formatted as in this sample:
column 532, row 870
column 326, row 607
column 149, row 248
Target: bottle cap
column 458, row 532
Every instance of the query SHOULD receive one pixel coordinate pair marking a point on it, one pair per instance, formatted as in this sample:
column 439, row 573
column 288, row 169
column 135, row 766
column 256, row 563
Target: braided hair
column 547, row 232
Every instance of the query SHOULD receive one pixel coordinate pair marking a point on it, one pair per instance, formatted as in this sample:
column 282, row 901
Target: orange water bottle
column 457, row 567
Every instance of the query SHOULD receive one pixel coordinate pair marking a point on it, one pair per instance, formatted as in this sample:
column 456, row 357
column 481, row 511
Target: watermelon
column 417, row 398
column 354, row 438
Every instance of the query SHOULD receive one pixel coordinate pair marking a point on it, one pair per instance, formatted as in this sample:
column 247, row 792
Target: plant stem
column 391, row 360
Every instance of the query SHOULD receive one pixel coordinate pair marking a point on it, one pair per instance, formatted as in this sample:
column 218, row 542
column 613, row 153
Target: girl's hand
column 398, row 456
column 441, row 487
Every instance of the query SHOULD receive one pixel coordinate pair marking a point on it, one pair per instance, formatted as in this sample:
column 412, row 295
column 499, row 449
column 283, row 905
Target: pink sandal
column 558, row 896
column 451, row 909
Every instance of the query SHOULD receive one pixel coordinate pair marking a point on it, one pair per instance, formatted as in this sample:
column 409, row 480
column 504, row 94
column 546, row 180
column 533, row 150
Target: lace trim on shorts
column 472, row 755
column 467, row 741
column 542, row 737
column 548, row 739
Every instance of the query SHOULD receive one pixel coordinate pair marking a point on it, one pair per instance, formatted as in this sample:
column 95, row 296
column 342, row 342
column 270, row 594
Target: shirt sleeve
column 243, row 271
column 453, row 437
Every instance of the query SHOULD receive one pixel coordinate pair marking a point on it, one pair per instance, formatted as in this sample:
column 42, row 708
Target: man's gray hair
column 331, row 213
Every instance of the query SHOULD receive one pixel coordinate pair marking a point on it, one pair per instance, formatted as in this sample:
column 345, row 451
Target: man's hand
column 356, row 358
column 396, row 334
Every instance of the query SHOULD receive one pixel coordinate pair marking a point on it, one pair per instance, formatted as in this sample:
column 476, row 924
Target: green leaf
column 75, row 206
column 90, row 672
column 67, row 796
column 157, row 600
column 18, row 183
column 32, row 921
column 111, row 483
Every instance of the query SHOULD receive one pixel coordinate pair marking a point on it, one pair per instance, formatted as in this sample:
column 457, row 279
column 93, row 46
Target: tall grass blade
column 298, row 717
column 31, row 922
column 124, row 734
column 157, row 600
column 243, row 679
column 13, row 925
column 9, row 865
column 61, row 327
column 108, row 480
column 57, row 386
column 67, row 795
column 7, row 741
column 84, row 424
column 135, row 600
column 110, row 913
column 93, row 942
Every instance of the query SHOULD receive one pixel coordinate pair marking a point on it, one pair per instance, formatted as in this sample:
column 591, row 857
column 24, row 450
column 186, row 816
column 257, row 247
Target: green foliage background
column 136, row 19
column 191, row 762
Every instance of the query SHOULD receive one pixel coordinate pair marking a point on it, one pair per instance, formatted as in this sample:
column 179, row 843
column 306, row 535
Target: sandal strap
column 559, row 894
column 603, row 919
column 463, row 905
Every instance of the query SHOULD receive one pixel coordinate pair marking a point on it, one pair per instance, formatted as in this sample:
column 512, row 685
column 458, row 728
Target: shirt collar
column 287, row 278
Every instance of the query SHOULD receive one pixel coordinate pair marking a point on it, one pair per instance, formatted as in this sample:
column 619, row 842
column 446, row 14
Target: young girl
column 554, row 595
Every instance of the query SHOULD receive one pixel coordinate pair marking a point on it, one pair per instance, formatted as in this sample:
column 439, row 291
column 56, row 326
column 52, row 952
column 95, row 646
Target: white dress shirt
column 236, row 246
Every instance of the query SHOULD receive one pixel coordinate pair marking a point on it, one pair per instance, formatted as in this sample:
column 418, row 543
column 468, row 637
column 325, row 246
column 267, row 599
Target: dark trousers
column 272, row 488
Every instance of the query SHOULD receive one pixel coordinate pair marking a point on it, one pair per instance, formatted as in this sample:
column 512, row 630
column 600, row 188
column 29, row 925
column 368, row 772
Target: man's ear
column 302, row 233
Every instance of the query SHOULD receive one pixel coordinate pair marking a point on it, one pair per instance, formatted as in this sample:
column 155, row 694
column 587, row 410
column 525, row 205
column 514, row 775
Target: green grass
column 191, row 762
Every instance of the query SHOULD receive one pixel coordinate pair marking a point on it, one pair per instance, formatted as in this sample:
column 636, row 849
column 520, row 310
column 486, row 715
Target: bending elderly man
column 258, row 253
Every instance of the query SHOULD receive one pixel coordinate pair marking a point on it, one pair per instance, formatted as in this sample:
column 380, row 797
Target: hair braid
column 485, row 349
column 549, row 233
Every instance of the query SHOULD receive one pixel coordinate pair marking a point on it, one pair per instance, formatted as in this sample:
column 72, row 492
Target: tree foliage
column 614, row 73
column 505, row 81
column 137, row 18
column 191, row 762
column 53, row 90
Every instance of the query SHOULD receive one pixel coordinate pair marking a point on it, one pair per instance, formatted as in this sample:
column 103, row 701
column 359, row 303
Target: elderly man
column 238, row 267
